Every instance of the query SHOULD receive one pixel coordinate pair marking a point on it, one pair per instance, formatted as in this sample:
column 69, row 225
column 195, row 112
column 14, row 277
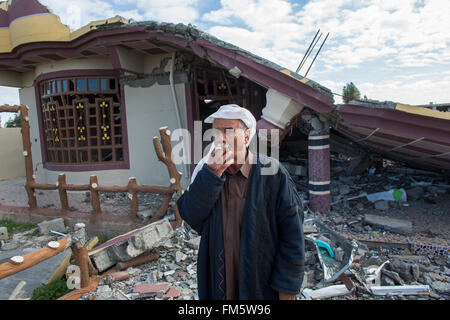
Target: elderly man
column 252, row 244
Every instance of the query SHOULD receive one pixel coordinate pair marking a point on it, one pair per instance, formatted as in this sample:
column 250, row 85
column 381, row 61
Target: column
column 319, row 170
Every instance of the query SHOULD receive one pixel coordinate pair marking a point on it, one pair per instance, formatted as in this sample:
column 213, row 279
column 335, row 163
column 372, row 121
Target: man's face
column 233, row 133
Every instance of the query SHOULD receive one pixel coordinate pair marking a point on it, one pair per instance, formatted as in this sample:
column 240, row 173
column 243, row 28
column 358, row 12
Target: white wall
column 148, row 109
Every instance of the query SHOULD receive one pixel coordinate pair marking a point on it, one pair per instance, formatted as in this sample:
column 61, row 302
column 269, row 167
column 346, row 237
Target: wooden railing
column 164, row 154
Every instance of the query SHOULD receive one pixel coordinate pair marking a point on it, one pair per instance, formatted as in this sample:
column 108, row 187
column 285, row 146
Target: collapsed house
column 97, row 95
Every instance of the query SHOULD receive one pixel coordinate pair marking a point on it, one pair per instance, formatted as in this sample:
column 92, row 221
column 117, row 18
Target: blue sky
column 391, row 49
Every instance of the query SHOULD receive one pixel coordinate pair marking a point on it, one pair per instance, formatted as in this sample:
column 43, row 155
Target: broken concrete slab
column 407, row 272
column 394, row 276
column 415, row 193
column 381, row 205
column 145, row 215
column 52, row 225
column 180, row 256
column 411, row 259
column 441, row 287
column 327, row 292
column 194, row 243
column 400, row 290
column 391, row 224
column 149, row 238
column 436, row 190
column 130, row 245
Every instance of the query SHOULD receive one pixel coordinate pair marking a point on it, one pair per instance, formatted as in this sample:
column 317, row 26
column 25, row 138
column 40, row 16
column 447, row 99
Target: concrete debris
column 149, row 238
column 194, row 243
column 400, row 290
column 327, row 292
column 381, row 205
column 52, row 225
column 180, row 256
column 415, row 193
column 145, row 215
column 374, row 275
column 392, row 224
column 131, row 245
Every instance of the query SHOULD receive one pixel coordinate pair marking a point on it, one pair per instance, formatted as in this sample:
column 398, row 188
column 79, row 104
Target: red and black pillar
column 319, row 171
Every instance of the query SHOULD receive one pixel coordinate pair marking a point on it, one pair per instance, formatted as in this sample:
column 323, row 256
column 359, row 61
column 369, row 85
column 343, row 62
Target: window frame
column 80, row 166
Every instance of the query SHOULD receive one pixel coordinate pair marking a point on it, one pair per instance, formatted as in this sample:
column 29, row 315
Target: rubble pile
column 172, row 276
column 387, row 237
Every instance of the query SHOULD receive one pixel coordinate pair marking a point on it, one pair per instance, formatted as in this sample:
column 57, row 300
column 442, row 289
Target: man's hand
column 221, row 158
column 287, row 296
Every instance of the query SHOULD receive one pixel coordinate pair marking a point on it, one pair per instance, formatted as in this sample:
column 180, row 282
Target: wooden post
column 63, row 192
column 25, row 129
column 166, row 158
column 95, row 198
column 80, row 253
column 132, row 195
column 141, row 259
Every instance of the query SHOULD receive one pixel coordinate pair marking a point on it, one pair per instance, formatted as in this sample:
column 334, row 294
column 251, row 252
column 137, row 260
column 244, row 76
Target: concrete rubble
column 384, row 249
column 57, row 225
column 391, row 224
column 131, row 245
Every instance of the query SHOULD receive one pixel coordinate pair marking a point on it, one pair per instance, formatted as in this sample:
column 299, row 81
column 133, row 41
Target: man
column 252, row 244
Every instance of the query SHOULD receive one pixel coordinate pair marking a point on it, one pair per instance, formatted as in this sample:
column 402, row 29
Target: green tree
column 13, row 122
column 350, row 92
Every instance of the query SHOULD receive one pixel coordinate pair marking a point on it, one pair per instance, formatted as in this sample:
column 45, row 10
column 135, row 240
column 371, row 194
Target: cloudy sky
column 391, row 49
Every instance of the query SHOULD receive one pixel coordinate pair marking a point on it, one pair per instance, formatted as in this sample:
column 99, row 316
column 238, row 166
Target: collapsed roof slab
column 399, row 132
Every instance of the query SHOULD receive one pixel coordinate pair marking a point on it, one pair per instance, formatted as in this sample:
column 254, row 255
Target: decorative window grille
column 82, row 120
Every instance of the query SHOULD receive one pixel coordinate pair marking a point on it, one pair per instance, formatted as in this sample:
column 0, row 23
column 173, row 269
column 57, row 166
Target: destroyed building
column 99, row 94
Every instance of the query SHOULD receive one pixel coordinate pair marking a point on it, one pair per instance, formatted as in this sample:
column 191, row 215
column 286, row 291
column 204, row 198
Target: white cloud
column 410, row 92
column 390, row 36
column 81, row 12
column 396, row 38
column 176, row 11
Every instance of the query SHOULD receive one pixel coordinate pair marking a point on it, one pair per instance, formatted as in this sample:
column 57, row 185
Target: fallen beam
column 33, row 258
column 143, row 258
column 130, row 245
column 327, row 292
column 391, row 224
column 397, row 290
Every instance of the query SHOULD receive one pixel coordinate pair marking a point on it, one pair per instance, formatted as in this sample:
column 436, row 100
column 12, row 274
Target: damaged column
column 319, row 166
